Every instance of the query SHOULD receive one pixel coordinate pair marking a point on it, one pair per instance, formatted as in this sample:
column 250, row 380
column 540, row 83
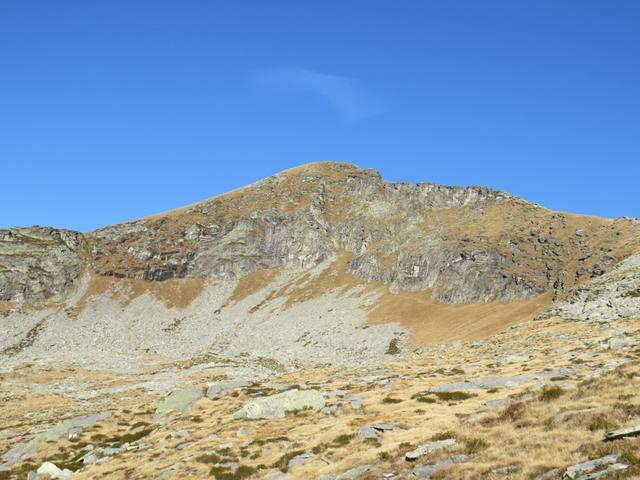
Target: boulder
column 427, row 448
column 276, row 406
column 301, row 459
column 601, row 466
column 632, row 431
column 217, row 389
column 425, row 471
column 178, row 401
column 50, row 470
column 369, row 433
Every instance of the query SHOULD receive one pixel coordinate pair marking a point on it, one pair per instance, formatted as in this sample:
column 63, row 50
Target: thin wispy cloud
column 345, row 95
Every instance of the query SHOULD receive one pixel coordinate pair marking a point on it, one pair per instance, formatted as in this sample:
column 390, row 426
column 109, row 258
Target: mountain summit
column 305, row 258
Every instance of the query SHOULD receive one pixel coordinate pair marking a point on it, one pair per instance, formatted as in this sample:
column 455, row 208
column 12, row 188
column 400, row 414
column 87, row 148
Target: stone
column 427, row 448
column 24, row 450
column 563, row 416
column 275, row 474
column 52, row 471
column 354, row 473
column 369, row 433
column 548, row 475
column 384, row 427
column 499, row 402
column 578, row 471
column 513, row 359
column 632, row 431
column 217, row 389
column 301, row 459
column 507, row 470
column 476, row 417
column 330, row 409
column 177, row 401
column 276, row 406
column 244, row 431
column 425, row 471
column 169, row 472
column 616, row 342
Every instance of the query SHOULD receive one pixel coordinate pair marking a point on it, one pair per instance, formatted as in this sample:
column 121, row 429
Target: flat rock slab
column 177, row 401
column 384, row 427
column 427, row 448
column 425, row 471
column 276, row 406
column 300, row 459
column 586, row 470
column 352, row 474
column 623, row 432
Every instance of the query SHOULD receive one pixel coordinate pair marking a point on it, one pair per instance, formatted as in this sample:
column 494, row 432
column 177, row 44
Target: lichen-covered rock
column 177, row 401
column 39, row 264
column 594, row 469
column 429, row 447
column 276, row 406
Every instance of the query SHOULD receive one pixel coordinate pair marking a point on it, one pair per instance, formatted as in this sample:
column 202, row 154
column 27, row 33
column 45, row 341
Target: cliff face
column 460, row 244
column 38, row 264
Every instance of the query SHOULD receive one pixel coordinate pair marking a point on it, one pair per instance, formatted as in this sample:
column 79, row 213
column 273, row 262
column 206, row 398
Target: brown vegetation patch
column 431, row 322
column 252, row 283
column 173, row 293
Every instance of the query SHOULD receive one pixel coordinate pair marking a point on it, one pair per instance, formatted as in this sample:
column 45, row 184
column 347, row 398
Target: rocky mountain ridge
column 327, row 261
column 463, row 244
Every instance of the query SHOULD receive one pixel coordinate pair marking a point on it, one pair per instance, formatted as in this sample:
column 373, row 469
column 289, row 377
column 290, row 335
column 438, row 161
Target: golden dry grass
column 524, row 434
column 173, row 293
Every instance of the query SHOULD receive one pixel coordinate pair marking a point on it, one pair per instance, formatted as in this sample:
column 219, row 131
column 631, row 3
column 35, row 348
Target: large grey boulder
column 177, row 401
column 593, row 469
column 427, row 448
column 50, row 470
column 276, row 406
column 632, row 431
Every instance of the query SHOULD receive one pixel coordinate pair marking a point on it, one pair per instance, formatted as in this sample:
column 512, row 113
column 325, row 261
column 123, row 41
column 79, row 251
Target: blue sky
column 113, row 110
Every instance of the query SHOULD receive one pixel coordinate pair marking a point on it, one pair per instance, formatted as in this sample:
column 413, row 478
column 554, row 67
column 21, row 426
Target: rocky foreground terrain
column 324, row 323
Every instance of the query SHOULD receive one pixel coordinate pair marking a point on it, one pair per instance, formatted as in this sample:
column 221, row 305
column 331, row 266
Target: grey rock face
column 613, row 296
column 397, row 233
column 39, row 264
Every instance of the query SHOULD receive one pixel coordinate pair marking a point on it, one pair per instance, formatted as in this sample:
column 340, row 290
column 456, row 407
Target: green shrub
column 393, row 348
column 551, row 393
column 391, row 400
column 474, row 445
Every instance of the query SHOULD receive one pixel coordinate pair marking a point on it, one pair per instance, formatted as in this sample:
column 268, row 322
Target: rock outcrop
column 39, row 264
column 613, row 296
